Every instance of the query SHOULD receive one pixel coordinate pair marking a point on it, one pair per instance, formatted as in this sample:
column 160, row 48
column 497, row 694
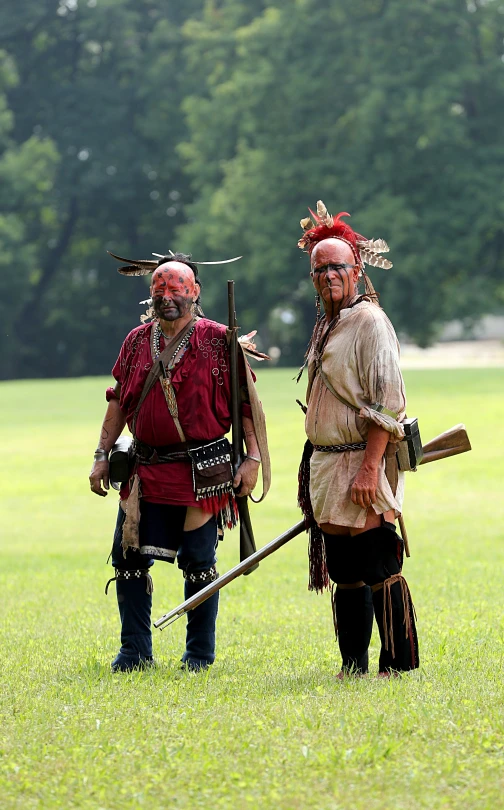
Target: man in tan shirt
column 355, row 405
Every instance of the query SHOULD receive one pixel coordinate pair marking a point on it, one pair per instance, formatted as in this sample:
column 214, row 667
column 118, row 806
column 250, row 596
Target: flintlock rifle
column 247, row 542
column 450, row 443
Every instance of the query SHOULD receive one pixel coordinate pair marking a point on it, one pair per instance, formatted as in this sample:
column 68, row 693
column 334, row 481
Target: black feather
column 135, row 270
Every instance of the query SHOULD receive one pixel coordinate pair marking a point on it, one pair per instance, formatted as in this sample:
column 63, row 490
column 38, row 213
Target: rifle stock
column 450, row 443
column 247, row 542
column 233, row 573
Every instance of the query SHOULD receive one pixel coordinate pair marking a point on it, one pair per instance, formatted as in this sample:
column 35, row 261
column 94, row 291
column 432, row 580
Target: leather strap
column 375, row 406
column 327, row 383
column 166, row 357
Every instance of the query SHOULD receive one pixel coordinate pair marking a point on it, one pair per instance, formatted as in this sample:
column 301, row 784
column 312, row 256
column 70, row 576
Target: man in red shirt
column 163, row 515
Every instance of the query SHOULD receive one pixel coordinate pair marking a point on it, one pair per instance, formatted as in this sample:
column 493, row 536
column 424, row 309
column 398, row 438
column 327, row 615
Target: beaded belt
column 145, row 454
column 339, row 448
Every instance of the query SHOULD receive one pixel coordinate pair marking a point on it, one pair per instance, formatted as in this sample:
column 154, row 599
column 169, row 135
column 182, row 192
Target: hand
column 99, row 473
column 364, row 486
column 246, row 475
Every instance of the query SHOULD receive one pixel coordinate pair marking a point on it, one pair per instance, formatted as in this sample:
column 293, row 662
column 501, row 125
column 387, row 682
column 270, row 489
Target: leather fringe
column 333, row 606
column 228, row 514
column 130, row 538
column 319, row 575
column 408, row 605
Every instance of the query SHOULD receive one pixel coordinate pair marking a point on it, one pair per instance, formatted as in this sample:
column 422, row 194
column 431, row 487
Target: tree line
column 209, row 126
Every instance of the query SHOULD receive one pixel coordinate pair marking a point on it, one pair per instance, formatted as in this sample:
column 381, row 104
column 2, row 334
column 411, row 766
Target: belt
column 166, row 453
column 339, row 448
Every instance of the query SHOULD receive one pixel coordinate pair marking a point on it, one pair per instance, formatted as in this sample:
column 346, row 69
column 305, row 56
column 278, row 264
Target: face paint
column 334, row 274
column 334, row 282
column 173, row 290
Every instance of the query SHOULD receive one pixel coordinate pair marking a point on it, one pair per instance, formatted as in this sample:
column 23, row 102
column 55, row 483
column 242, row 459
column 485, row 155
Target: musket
column 247, row 542
column 450, row 443
column 242, row 568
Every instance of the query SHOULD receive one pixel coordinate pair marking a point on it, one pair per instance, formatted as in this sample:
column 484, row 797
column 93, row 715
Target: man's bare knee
column 195, row 518
column 331, row 528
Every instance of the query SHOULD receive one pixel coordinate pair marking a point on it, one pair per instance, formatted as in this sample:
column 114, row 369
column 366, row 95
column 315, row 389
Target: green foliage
column 386, row 109
column 100, row 82
column 269, row 726
column 210, row 126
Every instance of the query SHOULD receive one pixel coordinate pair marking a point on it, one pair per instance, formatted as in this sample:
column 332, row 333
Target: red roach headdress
column 324, row 226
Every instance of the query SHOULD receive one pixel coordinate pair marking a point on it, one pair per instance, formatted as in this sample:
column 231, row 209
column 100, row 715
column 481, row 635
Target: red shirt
column 202, row 387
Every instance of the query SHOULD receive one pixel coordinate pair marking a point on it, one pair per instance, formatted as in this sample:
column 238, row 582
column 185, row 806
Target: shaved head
column 174, row 274
column 173, row 290
column 331, row 251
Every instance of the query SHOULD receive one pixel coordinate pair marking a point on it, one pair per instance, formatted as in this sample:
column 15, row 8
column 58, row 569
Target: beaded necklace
column 182, row 345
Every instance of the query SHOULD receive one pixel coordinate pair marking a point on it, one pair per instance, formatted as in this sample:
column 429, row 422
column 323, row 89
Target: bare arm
column 247, row 473
column 366, row 481
column 113, row 426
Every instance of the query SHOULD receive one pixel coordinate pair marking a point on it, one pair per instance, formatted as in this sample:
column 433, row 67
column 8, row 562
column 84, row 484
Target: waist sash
column 339, row 448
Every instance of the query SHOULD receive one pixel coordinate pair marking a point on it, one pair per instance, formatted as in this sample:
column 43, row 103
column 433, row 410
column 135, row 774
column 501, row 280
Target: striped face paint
column 334, row 274
column 173, row 290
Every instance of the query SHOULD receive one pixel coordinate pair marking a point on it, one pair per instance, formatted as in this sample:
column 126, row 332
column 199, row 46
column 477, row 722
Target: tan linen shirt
column 361, row 360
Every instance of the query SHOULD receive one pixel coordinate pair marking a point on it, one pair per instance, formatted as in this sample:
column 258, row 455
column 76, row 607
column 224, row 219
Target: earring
column 317, row 304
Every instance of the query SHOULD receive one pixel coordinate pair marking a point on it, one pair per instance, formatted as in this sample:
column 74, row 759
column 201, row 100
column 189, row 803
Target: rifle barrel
column 233, row 573
column 236, row 435
column 247, row 542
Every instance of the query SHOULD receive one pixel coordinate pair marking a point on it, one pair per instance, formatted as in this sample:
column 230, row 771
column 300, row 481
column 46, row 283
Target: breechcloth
column 375, row 557
column 162, row 526
column 162, row 537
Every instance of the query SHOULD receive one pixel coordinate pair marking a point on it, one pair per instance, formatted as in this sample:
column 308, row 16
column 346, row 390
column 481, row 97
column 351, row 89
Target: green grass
column 268, row 726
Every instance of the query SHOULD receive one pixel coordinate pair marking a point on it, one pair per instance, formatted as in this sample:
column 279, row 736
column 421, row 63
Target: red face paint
column 173, row 290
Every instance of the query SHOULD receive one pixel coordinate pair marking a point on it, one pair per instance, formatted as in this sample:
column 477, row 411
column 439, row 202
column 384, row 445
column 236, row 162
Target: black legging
column 372, row 556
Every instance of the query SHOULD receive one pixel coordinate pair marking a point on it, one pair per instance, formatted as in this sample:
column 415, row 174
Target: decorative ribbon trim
column 155, row 551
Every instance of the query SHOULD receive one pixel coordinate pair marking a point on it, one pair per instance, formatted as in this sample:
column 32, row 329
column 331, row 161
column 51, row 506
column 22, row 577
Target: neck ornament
column 182, row 345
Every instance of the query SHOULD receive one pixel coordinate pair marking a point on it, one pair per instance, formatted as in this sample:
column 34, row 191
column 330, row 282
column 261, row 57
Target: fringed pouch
column 212, row 469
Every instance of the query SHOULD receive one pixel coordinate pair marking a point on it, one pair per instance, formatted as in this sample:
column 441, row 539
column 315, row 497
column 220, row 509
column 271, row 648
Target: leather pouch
column 212, row 469
column 120, row 461
column 410, row 450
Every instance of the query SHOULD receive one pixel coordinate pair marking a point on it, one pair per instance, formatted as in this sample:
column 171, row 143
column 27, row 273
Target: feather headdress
column 324, row 226
column 142, row 267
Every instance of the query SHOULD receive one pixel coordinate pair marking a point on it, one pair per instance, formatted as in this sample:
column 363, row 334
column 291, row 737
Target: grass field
column 268, row 726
